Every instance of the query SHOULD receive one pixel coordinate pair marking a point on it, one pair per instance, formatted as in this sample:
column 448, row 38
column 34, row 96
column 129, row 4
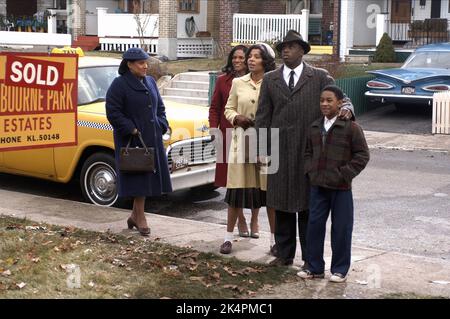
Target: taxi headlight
column 166, row 137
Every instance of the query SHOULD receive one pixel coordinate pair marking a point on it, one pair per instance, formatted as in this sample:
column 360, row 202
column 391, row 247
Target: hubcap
column 101, row 180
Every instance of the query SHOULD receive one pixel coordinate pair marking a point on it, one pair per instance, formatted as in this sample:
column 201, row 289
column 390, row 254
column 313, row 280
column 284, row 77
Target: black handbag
column 137, row 159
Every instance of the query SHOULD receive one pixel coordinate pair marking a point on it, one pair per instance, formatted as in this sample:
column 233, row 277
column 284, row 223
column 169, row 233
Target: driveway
column 388, row 119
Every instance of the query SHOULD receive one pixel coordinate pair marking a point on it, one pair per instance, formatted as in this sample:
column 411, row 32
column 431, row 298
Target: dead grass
column 43, row 261
column 336, row 69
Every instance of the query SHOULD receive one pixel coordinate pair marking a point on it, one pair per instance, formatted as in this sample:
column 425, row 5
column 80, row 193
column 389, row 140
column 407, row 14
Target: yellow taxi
column 191, row 154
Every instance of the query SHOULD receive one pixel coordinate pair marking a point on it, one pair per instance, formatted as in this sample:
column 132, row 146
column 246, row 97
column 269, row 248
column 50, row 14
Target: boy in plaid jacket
column 336, row 152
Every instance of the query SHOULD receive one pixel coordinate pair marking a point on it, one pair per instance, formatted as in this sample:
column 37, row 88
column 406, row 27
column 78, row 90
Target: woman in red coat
column 235, row 67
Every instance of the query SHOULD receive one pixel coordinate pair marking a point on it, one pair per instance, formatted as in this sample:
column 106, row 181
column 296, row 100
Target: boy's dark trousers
column 340, row 203
column 286, row 233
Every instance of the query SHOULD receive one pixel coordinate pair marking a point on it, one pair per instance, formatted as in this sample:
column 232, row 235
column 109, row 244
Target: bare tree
column 142, row 19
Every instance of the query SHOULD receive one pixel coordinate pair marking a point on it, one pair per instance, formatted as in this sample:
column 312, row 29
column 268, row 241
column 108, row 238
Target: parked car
column 425, row 72
column 191, row 155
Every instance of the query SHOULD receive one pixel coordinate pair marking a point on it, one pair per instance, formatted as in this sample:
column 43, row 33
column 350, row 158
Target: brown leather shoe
column 225, row 248
column 144, row 231
column 131, row 223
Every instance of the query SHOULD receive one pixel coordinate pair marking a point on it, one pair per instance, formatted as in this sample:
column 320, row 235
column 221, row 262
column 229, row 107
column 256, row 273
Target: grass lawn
column 45, row 261
column 175, row 67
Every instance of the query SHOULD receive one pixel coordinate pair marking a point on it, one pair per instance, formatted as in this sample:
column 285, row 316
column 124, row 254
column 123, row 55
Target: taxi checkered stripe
column 100, row 126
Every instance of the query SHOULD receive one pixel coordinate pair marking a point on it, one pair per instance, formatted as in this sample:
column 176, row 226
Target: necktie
column 291, row 80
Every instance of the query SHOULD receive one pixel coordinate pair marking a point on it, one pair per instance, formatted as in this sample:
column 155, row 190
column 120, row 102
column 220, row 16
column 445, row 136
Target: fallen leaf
column 46, row 243
column 126, row 295
column 193, row 268
column 91, row 284
column 230, row 272
column 189, row 255
column 361, row 282
column 216, row 275
column 6, row 273
column 36, row 260
column 21, row 285
column 193, row 278
column 56, row 248
column 234, row 287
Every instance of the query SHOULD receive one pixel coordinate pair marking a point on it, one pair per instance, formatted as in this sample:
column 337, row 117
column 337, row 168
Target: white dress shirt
column 287, row 73
column 328, row 123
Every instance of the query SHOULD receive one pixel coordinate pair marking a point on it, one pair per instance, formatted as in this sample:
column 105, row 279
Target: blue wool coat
column 132, row 104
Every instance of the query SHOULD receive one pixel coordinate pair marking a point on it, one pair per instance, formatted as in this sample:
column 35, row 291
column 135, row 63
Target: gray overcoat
column 292, row 113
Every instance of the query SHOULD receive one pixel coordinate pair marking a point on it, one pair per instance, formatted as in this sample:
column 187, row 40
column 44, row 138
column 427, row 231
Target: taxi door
column 38, row 162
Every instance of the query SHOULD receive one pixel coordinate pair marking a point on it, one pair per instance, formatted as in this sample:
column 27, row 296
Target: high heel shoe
column 243, row 233
column 144, row 231
column 131, row 223
column 253, row 234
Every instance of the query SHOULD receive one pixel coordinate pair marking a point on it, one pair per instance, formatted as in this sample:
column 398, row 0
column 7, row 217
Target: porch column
column 167, row 41
column 76, row 18
column 3, row 7
column 52, row 22
column 336, row 28
column 304, row 24
column 227, row 9
column 102, row 25
column 382, row 26
column 346, row 27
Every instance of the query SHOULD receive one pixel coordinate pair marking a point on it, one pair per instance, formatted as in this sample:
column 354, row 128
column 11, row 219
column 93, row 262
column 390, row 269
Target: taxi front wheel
column 98, row 180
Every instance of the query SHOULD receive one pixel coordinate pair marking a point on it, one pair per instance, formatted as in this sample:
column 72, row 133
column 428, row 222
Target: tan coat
column 243, row 100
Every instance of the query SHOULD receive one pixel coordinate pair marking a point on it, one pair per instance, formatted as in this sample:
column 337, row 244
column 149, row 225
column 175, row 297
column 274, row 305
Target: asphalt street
column 402, row 202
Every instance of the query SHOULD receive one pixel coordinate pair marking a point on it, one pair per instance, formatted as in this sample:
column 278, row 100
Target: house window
column 60, row 4
column 316, row 6
column 188, row 6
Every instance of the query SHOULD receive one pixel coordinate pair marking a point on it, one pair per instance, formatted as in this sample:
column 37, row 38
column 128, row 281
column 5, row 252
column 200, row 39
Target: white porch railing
column 34, row 38
column 125, row 25
column 441, row 113
column 253, row 28
column 123, row 44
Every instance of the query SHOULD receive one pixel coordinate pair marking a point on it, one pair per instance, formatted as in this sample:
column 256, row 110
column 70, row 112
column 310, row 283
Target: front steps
column 189, row 88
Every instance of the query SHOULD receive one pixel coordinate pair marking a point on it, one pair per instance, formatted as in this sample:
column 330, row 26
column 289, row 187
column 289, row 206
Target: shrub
column 385, row 50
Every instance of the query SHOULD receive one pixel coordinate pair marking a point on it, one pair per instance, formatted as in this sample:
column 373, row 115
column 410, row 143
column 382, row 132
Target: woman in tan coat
column 245, row 184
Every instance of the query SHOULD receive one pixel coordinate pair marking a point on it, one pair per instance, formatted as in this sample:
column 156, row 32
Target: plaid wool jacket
column 334, row 158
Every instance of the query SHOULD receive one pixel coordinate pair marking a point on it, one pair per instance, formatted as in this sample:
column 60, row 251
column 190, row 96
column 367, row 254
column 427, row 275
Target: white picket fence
column 441, row 113
column 253, row 28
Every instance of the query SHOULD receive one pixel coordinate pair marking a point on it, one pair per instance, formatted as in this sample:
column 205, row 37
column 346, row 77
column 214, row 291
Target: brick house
column 178, row 28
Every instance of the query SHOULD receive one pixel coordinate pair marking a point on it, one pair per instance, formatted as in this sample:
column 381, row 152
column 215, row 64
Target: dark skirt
column 251, row 198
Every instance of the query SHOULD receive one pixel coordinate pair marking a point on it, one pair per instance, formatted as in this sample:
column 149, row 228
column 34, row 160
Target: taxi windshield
column 93, row 83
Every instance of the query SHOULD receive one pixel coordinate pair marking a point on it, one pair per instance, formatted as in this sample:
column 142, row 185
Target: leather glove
column 243, row 121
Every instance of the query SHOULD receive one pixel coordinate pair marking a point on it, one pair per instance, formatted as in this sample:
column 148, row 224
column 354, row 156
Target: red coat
column 217, row 120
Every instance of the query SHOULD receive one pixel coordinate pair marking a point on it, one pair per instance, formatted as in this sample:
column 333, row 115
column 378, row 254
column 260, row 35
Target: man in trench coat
column 289, row 101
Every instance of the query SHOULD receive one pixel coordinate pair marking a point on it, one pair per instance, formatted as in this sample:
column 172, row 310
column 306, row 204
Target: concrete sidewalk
column 374, row 273
column 408, row 142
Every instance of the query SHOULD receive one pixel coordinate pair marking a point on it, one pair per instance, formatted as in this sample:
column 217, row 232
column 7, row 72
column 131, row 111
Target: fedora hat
column 294, row 36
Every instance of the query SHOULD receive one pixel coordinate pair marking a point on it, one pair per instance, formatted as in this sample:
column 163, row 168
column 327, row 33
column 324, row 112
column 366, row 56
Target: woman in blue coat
column 133, row 104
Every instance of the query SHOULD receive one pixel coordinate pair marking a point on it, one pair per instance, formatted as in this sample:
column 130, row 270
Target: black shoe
column 274, row 250
column 281, row 262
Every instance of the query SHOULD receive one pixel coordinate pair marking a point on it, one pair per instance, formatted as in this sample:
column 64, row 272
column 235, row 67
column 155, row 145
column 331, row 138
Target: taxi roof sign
column 69, row 50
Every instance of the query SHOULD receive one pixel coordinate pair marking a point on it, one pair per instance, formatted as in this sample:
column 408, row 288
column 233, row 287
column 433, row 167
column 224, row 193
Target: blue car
column 424, row 73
